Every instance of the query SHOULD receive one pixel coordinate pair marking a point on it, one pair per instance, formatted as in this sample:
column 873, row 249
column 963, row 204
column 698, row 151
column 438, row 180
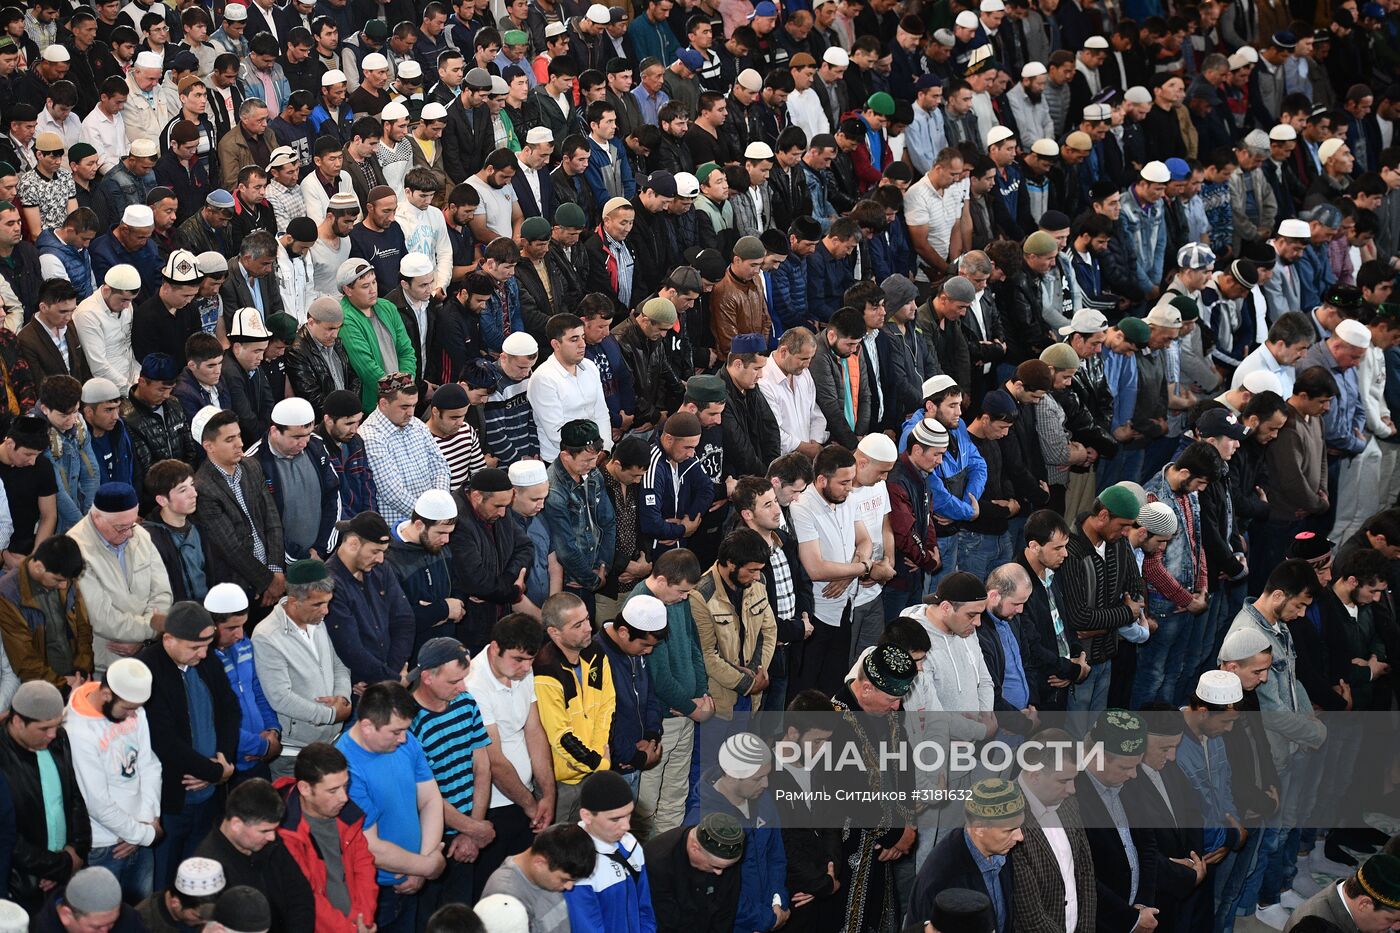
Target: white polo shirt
column 507, row 708
column 924, row 205
column 833, row 527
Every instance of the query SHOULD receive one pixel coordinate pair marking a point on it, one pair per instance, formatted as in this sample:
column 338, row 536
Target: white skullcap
column 1096, row 43
column 526, row 473
column 1156, row 172
column 1032, row 70
column 436, row 505
column 226, row 598
column 1158, row 518
column 97, row 390
column 373, row 62
column 1329, row 148
column 501, row 913
column 236, row 12
column 1354, row 333
column 1137, row 94
column 57, row 53
column 200, row 877
column 123, row 277
column 758, row 150
column 138, row 215
column 393, row 111
column 992, row 6
column 1261, row 380
column 334, row 76
column 935, row 384
column 150, row 60
column 144, row 148
column 1283, row 133
column 130, row 679
column 998, row 134
column 1250, row 54
column 645, row 613
column 13, row 918
column 293, row 413
column 200, row 421
column 538, row 135
column 414, row 264
column 1237, row 61
column 597, row 13
column 836, row 57
column 1243, row 643
column 966, row 20
column 1220, row 688
column 435, row 111
column 750, row 80
column 878, row 447
column 409, row 69
column 1294, row 229
column 520, row 344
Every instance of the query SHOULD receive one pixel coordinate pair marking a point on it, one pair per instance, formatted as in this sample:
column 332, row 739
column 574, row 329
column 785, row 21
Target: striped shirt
column 463, row 454
column 510, row 422
column 449, row 739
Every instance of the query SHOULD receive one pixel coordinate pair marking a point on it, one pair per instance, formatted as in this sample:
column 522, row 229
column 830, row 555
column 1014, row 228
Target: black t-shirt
column 24, row 487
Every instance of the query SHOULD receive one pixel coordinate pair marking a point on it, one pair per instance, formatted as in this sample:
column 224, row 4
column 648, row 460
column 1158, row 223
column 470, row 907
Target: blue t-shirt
column 385, row 787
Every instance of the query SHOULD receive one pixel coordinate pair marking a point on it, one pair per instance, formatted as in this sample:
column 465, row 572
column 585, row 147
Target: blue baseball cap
column 1179, row 169
column 764, row 8
column 691, row 59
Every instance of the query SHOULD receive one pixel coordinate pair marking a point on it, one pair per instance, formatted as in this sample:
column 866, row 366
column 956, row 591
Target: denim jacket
column 1151, row 251
column 1177, row 557
column 582, row 525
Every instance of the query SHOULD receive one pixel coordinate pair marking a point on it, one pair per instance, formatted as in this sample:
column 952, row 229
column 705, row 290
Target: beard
column 108, row 709
column 1034, row 96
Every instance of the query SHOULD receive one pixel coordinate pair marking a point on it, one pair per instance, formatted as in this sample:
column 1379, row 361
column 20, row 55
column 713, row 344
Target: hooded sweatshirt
column 960, row 675
column 117, row 771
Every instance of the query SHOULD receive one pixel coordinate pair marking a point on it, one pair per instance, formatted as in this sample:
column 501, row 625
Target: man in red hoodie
column 324, row 832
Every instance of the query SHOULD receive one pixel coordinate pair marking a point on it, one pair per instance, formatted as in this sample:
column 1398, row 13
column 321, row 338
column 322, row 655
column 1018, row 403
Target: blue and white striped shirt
column 449, row 739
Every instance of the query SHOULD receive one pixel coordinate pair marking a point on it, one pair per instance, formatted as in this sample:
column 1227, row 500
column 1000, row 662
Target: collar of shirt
column 985, row 863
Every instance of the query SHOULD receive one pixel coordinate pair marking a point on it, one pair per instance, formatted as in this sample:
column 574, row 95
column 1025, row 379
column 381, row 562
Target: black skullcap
column 1054, row 220
column 302, row 229
column 961, row 587
column 489, row 481
column 243, row 909
column 962, row 910
column 775, row 242
column 450, row 396
column 1309, row 546
column 805, row 228
column 342, row 403
column 602, row 791
column 188, row 621
column 720, row 835
column 632, row 451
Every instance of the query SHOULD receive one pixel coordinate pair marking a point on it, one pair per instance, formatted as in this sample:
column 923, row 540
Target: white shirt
column 833, row 527
column 495, row 206
column 926, row 206
column 1058, row 841
column 70, row 129
column 806, row 111
column 325, row 263
column 794, row 404
column 425, row 231
column 558, row 397
column 106, row 340
column 295, row 281
column 872, row 504
column 1370, row 377
column 108, row 136
column 507, row 708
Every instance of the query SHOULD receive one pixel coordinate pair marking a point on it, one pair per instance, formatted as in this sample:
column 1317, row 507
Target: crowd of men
column 432, row 431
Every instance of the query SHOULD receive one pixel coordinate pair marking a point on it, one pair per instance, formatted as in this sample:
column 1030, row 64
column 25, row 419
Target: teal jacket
column 357, row 334
column 677, row 665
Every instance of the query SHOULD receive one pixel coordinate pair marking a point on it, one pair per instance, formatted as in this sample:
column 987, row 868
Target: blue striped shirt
column 449, row 739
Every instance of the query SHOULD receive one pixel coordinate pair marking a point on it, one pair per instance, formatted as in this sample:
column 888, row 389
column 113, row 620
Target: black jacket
column 791, row 199
column 158, row 433
column 271, row 870
column 311, row 375
column 654, row 380
column 654, row 249
column 751, row 439
column 1113, row 877
column 994, row 654
column 169, row 553
column 168, row 713
column 1177, row 832
column 32, row 861
column 1092, row 397
column 486, row 561
column 250, row 397
column 456, row 341
column 685, row 899
column 1026, row 331
column 950, row 865
column 1040, row 647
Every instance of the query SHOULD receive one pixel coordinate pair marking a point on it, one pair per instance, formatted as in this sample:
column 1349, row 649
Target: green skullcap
column 1136, row 330
column 1120, row 502
column 995, row 800
column 881, row 103
column 536, row 228
column 1120, row 733
column 570, row 216
column 1040, row 243
column 1190, row 311
column 308, row 570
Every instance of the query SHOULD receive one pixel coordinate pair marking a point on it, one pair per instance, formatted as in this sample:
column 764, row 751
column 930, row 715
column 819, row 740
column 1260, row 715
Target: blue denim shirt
column 1014, row 688
column 1207, row 767
column 990, row 867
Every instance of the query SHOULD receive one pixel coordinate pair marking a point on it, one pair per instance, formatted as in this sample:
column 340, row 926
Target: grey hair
column 1214, row 62
column 976, row 262
column 258, row 245
column 250, row 106
column 300, row 591
column 556, row 607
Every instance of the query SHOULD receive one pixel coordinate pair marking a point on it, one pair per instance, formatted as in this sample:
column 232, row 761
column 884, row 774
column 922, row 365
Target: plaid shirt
column 406, row 462
column 786, row 607
column 286, row 204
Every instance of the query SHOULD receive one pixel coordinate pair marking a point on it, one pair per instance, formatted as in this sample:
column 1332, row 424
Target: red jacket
column 868, row 174
column 355, row 858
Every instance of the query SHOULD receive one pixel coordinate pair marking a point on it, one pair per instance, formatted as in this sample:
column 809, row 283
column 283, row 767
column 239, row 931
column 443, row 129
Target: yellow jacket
column 577, row 719
column 723, row 632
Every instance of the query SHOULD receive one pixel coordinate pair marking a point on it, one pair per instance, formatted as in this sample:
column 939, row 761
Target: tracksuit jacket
column 668, row 491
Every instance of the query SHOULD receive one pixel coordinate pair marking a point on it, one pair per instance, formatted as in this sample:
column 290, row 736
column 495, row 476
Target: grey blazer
column 293, row 674
column 1328, row 905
